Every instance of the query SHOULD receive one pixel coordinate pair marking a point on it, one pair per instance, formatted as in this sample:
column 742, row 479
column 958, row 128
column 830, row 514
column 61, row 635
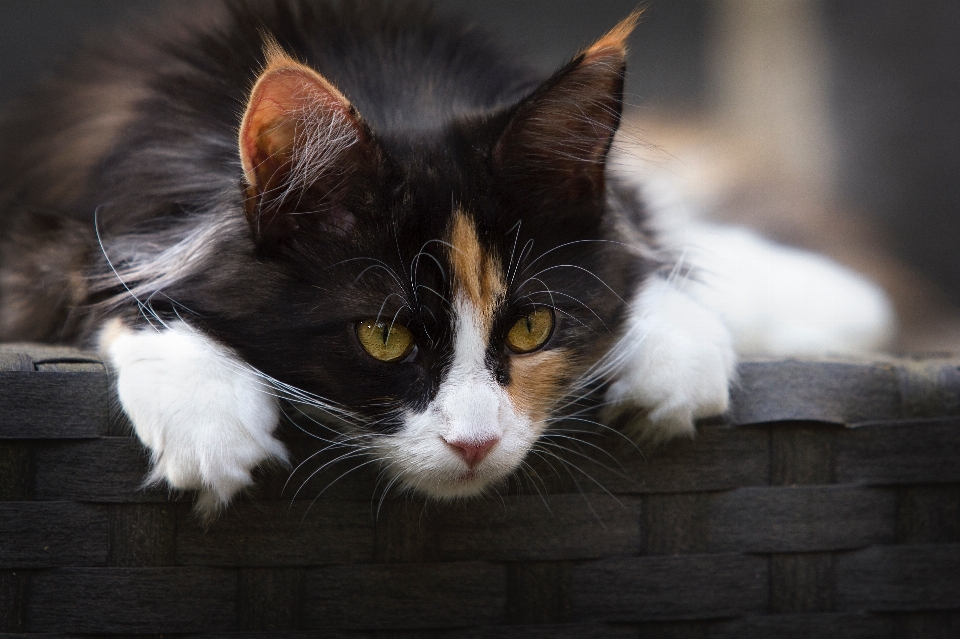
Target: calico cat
column 355, row 206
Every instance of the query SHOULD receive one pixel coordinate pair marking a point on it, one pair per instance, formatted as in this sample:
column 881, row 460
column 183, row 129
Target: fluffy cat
column 358, row 207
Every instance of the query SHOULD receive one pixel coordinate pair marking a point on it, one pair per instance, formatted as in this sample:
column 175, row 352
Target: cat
column 360, row 207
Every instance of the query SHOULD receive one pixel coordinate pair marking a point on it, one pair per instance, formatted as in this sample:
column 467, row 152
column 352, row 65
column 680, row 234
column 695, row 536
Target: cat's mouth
column 448, row 482
column 464, row 484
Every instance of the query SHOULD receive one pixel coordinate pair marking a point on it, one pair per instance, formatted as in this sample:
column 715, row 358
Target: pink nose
column 473, row 452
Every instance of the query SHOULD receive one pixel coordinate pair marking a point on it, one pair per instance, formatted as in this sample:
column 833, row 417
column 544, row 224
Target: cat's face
column 488, row 347
column 447, row 294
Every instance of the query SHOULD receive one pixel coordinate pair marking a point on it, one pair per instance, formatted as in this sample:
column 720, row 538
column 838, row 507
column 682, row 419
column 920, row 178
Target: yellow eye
column 385, row 341
column 531, row 332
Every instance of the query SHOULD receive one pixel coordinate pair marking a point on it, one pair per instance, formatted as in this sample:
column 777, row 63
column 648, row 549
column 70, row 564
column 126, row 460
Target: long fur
column 453, row 183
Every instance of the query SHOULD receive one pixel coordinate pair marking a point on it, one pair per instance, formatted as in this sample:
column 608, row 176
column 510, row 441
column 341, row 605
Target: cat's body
column 357, row 207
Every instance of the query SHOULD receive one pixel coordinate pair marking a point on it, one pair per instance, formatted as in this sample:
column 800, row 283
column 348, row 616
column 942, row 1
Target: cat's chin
column 458, row 486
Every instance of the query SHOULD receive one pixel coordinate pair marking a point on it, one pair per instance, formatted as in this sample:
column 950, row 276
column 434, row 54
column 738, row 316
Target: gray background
column 894, row 88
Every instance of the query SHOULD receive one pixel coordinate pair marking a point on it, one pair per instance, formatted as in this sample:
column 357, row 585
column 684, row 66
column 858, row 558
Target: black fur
column 443, row 106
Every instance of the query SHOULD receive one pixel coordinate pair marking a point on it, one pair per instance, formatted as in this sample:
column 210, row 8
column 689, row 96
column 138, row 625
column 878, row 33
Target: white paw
column 204, row 414
column 678, row 361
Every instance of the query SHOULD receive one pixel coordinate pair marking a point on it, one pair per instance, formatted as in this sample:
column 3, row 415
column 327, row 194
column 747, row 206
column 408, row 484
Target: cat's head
column 446, row 293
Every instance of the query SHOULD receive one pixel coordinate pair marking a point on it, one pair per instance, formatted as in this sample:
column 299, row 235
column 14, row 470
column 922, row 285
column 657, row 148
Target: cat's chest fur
column 356, row 207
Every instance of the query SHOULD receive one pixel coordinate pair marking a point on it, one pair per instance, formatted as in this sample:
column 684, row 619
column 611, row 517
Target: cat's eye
column 386, row 341
column 531, row 331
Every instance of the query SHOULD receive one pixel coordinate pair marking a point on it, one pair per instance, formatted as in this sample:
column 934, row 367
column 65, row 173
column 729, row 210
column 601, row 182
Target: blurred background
column 830, row 124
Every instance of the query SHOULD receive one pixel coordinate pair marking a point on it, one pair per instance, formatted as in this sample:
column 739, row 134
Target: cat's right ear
column 555, row 145
column 300, row 139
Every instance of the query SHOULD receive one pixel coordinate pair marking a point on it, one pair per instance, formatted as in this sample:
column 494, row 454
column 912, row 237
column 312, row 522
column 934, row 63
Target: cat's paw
column 677, row 364
column 203, row 413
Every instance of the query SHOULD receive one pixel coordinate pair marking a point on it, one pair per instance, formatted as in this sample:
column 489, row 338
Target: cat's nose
column 473, row 451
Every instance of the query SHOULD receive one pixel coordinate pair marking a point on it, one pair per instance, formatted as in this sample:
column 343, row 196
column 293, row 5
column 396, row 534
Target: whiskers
column 573, row 449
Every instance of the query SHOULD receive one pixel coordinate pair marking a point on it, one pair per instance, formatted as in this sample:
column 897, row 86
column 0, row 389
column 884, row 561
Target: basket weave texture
column 825, row 504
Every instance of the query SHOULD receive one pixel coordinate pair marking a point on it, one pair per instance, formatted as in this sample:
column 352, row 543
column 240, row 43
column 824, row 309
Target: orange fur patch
column 535, row 380
column 615, row 40
column 476, row 274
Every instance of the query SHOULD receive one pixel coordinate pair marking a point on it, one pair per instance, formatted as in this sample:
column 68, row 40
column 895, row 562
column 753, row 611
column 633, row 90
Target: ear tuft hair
column 615, row 40
column 274, row 54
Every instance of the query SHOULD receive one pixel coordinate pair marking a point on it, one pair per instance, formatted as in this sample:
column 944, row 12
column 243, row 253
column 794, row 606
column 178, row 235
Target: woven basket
column 826, row 504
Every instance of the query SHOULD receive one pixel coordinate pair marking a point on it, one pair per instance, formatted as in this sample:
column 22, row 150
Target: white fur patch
column 780, row 301
column 203, row 413
column 470, row 406
column 745, row 295
column 676, row 360
column 776, row 300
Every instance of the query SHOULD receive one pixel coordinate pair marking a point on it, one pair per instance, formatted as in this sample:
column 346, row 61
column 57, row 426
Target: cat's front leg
column 207, row 418
column 674, row 363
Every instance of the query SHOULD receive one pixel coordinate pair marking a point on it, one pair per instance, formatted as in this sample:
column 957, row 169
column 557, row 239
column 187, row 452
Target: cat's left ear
column 556, row 142
column 301, row 142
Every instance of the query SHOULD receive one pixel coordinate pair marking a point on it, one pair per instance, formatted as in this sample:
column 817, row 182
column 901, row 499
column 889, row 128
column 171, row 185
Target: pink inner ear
column 280, row 99
column 287, row 96
column 294, row 133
